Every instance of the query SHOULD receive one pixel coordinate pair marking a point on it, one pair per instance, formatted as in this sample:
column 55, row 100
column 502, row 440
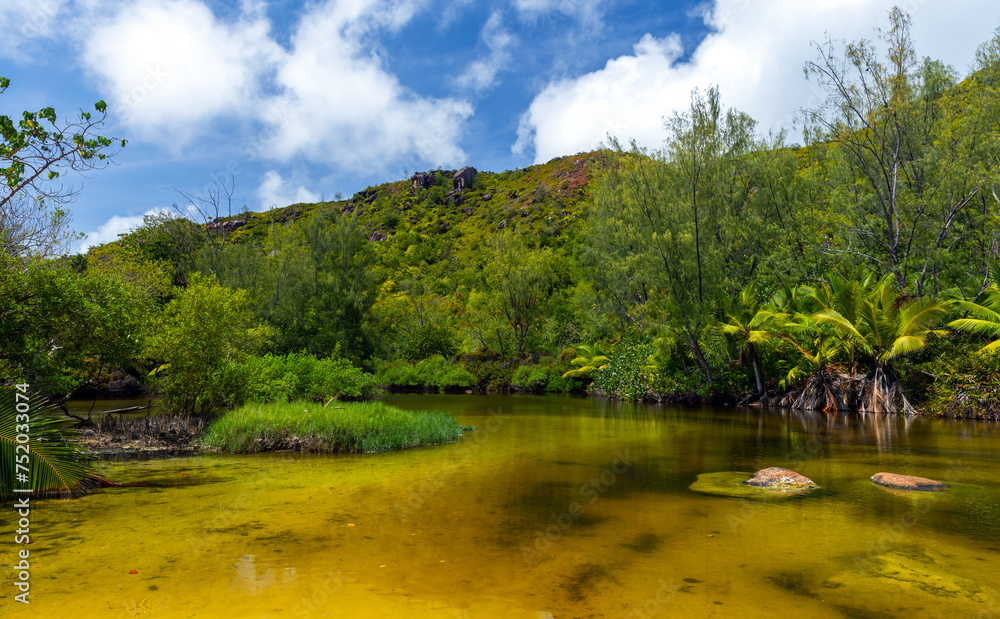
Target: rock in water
column 776, row 476
column 907, row 482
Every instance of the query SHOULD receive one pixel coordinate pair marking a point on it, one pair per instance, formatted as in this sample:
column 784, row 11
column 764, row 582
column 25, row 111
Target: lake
column 553, row 507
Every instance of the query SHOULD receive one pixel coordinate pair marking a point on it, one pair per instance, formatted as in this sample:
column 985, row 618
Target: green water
column 557, row 507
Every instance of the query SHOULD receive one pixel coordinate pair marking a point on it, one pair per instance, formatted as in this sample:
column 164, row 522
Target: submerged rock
column 907, row 482
column 915, row 576
column 777, row 477
column 733, row 484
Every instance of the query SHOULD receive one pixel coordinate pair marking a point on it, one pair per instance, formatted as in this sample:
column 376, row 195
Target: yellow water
column 557, row 507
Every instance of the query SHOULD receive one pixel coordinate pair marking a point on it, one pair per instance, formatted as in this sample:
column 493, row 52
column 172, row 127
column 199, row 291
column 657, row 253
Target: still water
column 552, row 507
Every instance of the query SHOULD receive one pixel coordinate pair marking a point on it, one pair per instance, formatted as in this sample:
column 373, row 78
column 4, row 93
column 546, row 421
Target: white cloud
column 109, row 230
column 587, row 11
column 176, row 70
column 274, row 191
column 339, row 104
column 481, row 74
column 22, row 21
column 755, row 55
column 172, row 66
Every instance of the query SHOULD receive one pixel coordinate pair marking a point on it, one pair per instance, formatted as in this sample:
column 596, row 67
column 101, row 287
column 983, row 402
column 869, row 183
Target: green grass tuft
column 367, row 427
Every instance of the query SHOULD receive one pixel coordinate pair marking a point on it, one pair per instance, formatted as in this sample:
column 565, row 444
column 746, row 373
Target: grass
column 360, row 427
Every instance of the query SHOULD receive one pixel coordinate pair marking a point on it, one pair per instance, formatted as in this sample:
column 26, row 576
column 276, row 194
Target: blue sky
column 302, row 100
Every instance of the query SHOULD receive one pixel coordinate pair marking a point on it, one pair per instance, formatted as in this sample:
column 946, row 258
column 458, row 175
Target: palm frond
column 986, row 312
column 977, row 326
column 842, row 325
column 902, row 345
column 55, row 464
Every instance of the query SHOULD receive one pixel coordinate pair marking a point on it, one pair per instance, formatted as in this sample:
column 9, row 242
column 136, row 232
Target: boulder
column 422, row 180
column 463, row 178
column 127, row 386
column 733, row 484
column 907, row 482
column 230, row 225
column 776, row 476
column 376, row 237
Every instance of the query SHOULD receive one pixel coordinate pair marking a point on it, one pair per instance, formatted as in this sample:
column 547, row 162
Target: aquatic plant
column 362, row 427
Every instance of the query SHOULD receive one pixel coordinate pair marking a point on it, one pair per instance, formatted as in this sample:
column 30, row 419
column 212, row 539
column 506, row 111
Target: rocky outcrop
column 907, row 482
column 377, row 237
column 218, row 224
column 463, row 178
column 777, row 477
column 422, row 180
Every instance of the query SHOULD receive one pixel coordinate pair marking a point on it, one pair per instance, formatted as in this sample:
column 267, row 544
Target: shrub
column 202, row 337
column 625, row 375
column 434, row 372
column 543, row 378
column 428, row 341
column 300, row 376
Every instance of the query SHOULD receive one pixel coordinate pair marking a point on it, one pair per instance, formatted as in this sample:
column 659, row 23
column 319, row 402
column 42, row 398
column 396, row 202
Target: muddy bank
column 113, row 437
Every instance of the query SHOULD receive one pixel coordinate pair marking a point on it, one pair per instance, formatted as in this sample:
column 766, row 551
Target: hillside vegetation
column 856, row 272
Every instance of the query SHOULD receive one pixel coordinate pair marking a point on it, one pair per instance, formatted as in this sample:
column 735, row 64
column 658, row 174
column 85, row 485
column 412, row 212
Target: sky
column 304, row 101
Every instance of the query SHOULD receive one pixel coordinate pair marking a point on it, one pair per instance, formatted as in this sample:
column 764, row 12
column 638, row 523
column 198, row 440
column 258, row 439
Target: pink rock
column 777, row 476
column 907, row 482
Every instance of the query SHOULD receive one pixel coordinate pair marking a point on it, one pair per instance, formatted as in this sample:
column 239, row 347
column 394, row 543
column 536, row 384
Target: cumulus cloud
column 481, row 74
column 754, row 54
column 339, row 104
column 112, row 228
column 274, row 191
column 172, row 66
column 176, row 70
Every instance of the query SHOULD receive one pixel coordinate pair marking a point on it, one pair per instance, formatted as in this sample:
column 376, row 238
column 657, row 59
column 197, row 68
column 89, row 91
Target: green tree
column 34, row 149
column 982, row 318
column 520, row 281
column 671, row 218
column 903, row 186
column 345, row 287
column 201, row 335
column 864, row 322
column 752, row 325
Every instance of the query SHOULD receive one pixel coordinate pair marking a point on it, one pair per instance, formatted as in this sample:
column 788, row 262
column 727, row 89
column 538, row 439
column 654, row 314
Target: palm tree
column 588, row 361
column 883, row 324
column 876, row 324
column 818, row 366
column 52, row 463
column 750, row 324
column 986, row 319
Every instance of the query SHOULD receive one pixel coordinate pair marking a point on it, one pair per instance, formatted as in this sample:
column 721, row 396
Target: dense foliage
column 726, row 265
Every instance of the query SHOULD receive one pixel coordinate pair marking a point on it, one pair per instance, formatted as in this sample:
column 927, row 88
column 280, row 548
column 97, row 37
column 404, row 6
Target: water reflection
column 566, row 506
column 250, row 580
